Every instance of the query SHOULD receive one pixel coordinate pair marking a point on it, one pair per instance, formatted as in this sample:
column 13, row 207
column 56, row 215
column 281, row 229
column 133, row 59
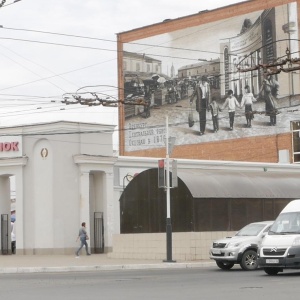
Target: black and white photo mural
column 232, row 78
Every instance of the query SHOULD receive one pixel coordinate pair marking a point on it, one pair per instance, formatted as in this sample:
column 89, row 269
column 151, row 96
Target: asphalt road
column 203, row 283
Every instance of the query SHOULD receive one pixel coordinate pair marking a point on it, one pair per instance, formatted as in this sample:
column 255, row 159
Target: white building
column 63, row 175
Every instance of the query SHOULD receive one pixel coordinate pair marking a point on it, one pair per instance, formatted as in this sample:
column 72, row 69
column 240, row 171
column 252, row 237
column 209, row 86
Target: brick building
column 223, row 35
column 249, row 41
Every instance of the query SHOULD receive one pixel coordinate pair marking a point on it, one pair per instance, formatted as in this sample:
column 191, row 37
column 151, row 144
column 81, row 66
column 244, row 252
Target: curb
column 22, row 270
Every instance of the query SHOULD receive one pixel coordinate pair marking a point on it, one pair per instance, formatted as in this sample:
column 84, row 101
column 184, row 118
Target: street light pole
column 168, row 220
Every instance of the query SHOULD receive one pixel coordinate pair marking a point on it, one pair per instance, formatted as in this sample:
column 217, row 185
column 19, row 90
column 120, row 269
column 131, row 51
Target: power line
column 35, row 64
column 2, row 4
column 111, row 41
column 49, row 77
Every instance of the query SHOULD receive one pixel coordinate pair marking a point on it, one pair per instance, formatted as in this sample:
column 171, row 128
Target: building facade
column 63, row 173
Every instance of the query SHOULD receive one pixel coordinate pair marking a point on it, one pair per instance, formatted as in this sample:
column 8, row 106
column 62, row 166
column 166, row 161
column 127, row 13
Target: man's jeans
column 83, row 243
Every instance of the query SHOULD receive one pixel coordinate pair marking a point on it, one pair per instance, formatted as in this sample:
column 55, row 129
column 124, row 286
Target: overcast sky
column 36, row 70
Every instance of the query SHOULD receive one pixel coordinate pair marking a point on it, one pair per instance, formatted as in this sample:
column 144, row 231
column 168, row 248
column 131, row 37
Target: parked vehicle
column 281, row 247
column 241, row 248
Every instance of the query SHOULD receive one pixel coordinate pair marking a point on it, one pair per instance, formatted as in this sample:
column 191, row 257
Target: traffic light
column 161, row 173
column 174, row 178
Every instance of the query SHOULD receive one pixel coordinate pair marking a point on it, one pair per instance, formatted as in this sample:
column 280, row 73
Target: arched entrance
column 143, row 206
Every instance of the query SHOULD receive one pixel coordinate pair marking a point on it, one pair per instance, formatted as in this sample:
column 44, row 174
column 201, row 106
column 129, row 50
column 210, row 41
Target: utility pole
column 168, row 220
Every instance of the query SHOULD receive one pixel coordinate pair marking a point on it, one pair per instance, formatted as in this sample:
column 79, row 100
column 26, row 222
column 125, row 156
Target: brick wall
column 253, row 149
column 186, row 246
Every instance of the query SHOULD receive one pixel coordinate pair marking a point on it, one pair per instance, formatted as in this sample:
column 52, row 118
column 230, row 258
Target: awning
column 231, row 184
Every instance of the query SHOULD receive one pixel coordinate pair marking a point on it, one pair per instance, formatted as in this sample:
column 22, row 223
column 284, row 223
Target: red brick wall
column 254, row 149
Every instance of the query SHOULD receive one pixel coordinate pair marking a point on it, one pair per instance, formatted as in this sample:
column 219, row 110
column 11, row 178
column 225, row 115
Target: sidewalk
column 95, row 262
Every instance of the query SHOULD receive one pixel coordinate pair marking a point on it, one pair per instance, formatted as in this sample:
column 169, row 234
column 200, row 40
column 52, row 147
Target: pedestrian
column 232, row 103
column 214, row 109
column 83, row 236
column 270, row 87
column 202, row 95
column 247, row 101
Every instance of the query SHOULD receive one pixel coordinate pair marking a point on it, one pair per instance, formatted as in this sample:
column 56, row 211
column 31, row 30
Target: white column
column 293, row 29
column 108, row 205
column 84, row 205
column 5, row 195
column 5, row 201
column 20, row 222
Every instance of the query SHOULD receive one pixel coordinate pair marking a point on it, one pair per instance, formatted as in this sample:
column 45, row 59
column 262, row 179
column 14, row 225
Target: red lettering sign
column 13, row 146
column 6, row 146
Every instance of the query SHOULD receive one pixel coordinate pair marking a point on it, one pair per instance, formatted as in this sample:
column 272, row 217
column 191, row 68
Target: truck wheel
column 271, row 271
column 224, row 265
column 249, row 260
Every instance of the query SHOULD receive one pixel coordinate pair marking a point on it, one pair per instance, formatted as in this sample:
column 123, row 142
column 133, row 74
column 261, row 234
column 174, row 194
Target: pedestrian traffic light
column 161, row 173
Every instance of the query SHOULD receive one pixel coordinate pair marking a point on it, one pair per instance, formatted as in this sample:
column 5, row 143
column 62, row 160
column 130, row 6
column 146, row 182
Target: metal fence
column 98, row 232
column 5, row 247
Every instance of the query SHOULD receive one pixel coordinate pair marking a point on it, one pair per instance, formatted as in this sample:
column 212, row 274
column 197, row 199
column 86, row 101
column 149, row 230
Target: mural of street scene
column 228, row 79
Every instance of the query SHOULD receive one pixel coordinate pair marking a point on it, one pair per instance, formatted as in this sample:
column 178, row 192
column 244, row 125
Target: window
column 138, row 67
column 295, row 126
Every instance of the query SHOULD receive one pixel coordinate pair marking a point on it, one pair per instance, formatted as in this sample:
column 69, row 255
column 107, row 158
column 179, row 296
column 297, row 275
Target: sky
column 51, row 49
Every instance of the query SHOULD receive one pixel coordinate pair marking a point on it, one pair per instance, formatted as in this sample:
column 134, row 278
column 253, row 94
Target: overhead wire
column 136, row 43
column 31, row 61
column 99, row 49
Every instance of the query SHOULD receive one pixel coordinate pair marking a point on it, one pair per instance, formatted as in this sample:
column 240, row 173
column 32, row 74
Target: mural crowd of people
column 205, row 102
column 199, row 92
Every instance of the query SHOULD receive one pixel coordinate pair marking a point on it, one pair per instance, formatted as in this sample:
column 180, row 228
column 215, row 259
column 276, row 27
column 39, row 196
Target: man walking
column 202, row 95
column 83, row 236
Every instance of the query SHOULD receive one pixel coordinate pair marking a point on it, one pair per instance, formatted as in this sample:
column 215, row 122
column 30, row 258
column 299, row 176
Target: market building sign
column 10, row 146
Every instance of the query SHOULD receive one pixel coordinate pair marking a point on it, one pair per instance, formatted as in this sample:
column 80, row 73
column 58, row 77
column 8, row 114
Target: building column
column 84, row 205
column 5, row 202
column 4, row 195
column 108, row 206
column 20, row 223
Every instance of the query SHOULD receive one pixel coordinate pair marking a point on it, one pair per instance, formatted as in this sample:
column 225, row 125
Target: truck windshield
column 286, row 223
column 251, row 230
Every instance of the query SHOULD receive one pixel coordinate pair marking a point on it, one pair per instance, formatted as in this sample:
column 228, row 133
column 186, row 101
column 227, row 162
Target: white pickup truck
column 240, row 249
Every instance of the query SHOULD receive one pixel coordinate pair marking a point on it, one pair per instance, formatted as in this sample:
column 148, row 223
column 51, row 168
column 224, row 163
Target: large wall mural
column 228, row 79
